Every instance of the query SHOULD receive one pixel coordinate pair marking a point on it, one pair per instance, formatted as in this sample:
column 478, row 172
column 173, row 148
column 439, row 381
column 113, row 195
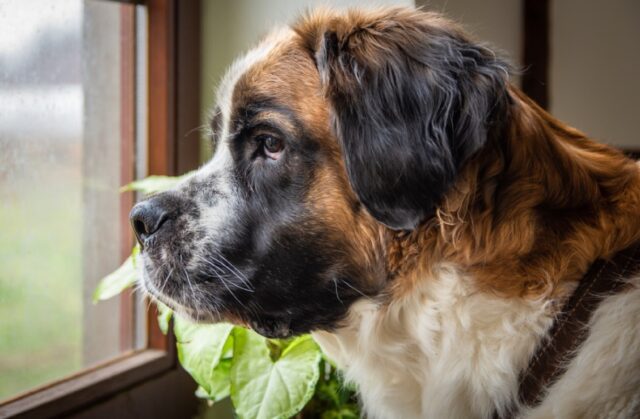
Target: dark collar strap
column 570, row 329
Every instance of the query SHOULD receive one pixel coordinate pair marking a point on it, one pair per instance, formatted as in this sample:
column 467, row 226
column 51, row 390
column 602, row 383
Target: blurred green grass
column 40, row 280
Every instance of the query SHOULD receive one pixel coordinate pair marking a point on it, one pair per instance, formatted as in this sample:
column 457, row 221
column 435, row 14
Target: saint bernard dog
column 379, row 182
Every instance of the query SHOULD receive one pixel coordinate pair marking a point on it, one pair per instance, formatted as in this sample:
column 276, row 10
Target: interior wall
column 595, row 64
column 229, row 28
column 496, row 22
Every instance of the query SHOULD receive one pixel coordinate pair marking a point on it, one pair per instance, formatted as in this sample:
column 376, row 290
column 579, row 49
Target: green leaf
column 164, row 317
column 134, row 255
column 117, row 281
column 263, row 388
column 346, row 412
column 154, row 184
column 221, row 381
column 202, row 393
column 200, row 348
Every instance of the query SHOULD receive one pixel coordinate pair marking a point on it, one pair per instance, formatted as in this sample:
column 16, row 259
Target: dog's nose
column 147, row 218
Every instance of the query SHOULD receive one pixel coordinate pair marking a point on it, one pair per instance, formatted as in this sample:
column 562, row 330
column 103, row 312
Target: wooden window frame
column 173, row 109
column 536, row 26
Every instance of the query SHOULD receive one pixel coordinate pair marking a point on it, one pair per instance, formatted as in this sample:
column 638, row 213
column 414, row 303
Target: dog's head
column 328, row 136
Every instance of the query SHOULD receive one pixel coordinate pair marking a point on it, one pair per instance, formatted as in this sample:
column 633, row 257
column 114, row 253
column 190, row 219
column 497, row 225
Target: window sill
column 89, row 386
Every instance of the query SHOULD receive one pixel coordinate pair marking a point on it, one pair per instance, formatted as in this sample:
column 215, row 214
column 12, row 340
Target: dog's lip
column 181, row 310
column 155, row 295
column 150, row 289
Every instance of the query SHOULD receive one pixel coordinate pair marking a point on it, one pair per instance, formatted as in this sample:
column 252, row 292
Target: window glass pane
column 66, row 146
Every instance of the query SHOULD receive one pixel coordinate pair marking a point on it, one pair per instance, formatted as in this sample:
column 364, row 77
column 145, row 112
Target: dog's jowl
column 378, row 181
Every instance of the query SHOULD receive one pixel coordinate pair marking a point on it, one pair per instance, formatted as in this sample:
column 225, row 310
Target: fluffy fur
column 423, row 218
column 447, row 350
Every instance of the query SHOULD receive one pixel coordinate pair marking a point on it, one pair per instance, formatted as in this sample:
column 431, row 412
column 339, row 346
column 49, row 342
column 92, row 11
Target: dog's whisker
column 243, row 285
column 220, row 272
column 231, row 267
column 354, row 288
column 166, row 280
column 193, row 292
column 240, row 286
column 335, row 284
column 224, row 283
column 148, row 303
column 231, row 292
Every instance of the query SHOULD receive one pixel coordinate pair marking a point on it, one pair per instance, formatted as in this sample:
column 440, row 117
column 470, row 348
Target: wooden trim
column 155, row 338
column 167, row 396
column 188, row 86
column 161, row 105
column 88, row 386
column 633, row 153
column 174, row 104
column 174, row 86
column 536, row 26
column 161, row 110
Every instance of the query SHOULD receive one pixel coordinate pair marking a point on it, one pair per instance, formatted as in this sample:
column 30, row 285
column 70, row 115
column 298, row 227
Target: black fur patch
column 411, row 102
column 275, row 266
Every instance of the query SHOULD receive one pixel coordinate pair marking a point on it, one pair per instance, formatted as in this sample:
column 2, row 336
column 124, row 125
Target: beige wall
column 496, row 22
column 594, row 74
column 595, row 68
column 231, row 27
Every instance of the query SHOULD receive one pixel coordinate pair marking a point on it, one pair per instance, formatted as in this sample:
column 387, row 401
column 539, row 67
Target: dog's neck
column 474, row 290
column 529, row 213
column 443, row 350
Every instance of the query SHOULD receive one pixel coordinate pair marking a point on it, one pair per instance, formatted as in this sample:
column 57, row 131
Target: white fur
column 447, row 351
column 216, row 217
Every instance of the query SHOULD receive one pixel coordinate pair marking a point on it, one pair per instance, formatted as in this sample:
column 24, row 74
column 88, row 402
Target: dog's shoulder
column 449, row 351
column 446, row 350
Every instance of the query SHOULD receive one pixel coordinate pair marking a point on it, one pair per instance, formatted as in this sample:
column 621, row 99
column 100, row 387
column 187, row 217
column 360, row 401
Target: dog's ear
column 412, row 100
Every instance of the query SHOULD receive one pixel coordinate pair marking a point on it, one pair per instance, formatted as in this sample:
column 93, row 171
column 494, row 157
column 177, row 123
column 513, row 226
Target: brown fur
column 330, row 198
column 527, row 216
column 530, row 213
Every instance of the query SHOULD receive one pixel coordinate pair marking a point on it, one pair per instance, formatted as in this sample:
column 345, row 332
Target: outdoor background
column 59, row 179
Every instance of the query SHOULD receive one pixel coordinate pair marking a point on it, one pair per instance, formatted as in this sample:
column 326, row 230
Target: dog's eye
column 272, row 146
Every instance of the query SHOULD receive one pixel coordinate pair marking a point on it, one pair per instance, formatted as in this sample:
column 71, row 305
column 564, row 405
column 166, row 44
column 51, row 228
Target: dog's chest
column 444, row 351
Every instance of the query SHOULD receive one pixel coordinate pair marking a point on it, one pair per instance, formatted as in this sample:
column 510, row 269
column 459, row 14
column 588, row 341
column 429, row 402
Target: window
column 76, row 121
column 65, row 135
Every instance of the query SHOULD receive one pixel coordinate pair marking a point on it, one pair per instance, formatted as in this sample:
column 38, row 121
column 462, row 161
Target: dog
column 379, row 182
